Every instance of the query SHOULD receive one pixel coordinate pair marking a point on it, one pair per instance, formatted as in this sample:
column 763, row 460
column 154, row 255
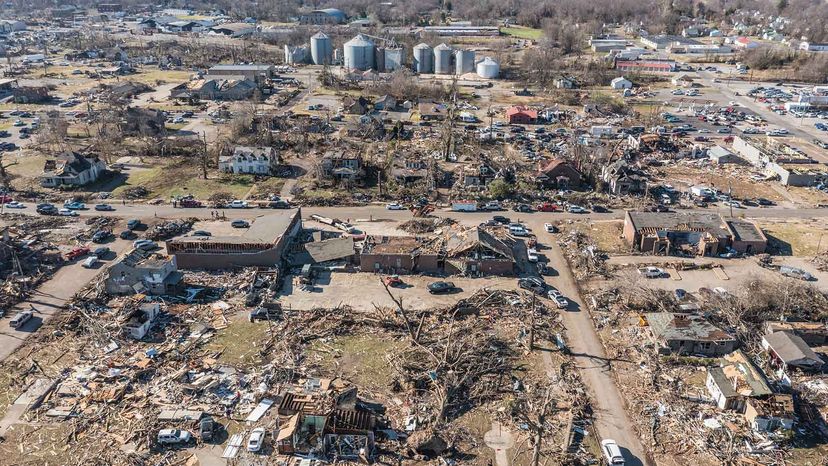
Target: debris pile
column 26, row 259
column 136, row 192
column 170, row 228
column 426, row 225
column 583, row 255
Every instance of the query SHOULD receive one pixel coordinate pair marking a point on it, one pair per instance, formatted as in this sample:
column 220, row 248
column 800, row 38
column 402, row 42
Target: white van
column 89, row 262
column 20, row 319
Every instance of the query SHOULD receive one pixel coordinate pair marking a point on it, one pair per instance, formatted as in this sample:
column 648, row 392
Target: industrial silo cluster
column 361, row 53
column 442, row 59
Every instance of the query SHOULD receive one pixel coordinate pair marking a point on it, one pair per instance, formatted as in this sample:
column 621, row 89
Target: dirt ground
column 798, row 237
column 684, row 175
column 362, row 291
column 606, row 233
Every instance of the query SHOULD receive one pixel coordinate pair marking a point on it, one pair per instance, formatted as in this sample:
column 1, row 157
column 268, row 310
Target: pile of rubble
column 583, row 255
column 820, row 261
column 426, row 225
column 26, row 259
column 170, row 228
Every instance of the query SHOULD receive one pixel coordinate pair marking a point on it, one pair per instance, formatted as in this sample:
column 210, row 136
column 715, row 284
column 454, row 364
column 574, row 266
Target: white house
column 621, row 83
column 140, row 320
column 250, row 160
column 813, row 47
column 71, row 169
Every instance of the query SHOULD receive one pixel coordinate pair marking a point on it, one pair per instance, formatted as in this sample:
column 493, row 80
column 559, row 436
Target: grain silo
column 321, row 49
column 442, row 59
column 359, row 54
column 488, row 68
column 464, row 61
column 423, row 59
column 295, row 55
column 394, row 58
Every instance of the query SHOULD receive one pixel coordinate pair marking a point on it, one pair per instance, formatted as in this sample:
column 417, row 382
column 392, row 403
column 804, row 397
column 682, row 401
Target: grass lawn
column 523, row 32
column 795, row 238
column 184, row 177
column 26, row 166
column 271, row 185
column 153, row 75
column 359, row 358
column 241, row 342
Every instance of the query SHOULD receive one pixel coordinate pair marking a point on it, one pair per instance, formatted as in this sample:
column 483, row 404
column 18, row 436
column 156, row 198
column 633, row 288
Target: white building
column 140, row 320
column 812, row 47
column 249, row 160
column 71, row 169
column 621, row 83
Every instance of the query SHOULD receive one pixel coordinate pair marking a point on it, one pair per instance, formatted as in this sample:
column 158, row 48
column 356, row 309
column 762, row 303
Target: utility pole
column 730, row 196
column 204, row 155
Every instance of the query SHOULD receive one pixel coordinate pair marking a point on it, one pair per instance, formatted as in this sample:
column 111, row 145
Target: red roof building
column 521, row 116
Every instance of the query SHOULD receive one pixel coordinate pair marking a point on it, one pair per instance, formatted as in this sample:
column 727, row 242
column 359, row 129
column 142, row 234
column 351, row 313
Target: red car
column 76, row 253
column 190, row 203
column 4, row 199
column 393, row 280
column 547, row 207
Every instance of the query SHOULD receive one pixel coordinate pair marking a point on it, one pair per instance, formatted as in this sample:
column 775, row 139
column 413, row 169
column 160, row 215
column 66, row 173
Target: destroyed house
column 475, row 251
column 71, row 169
column 399, row 255
column 30, row 94
column 250, row 160
column 227, row 88
column 143, row 121
column 691, row 233
column 775, row 412
column 143, row 272
column 339, row 249
column 409, row 169
column 689, row 334
column 261, row 245
column 622, row 178
column 342, row 165
column 558, row 174
column 258, row 74
column 138, row 320
column 734, row 381
column 812, row 333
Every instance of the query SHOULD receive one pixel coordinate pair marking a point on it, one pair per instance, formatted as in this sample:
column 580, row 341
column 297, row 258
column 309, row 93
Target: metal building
column 442, row 59
column 379, row 59
column 294, row 55
column 321, row 49
column 394, row 58
column 464, row 61
column 359, row 54
column 423, row 59
column 488, row 68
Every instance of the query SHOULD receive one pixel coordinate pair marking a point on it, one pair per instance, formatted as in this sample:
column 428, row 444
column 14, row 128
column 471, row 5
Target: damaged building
column 691, row 233
column 143, row 272
column 261, row 245
column 689, row 334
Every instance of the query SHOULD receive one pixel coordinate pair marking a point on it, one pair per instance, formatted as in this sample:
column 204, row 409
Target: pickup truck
column 192, row 203
column 76, row 253
column 547, row 207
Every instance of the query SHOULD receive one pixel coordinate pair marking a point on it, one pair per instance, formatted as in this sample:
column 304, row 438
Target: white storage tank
column 321, row 49
column 488, row 68
column 442, row 59
column 423, row 59
column 359, row 54
column 394, row 58
column 464, row 61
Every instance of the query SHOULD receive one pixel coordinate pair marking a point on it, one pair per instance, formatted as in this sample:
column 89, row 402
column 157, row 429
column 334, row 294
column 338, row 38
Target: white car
column 549, row 228
column 394, row 206
column 144, row 244
column 89, row 262
column 67, row 213
column 173, row 436
column 576, row 209
column 254, row 443
column 14, row 205
column 558, row 298
column 532, row 255
column 651, row 272
column 612, row 454
column 178, row 119
column 237, row 204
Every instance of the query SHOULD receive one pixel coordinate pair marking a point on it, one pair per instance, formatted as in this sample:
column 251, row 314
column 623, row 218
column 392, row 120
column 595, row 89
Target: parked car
column 237, row 204
column 558, row 298
column 127, row 234
column 279, row 204
column 651, row 272
column 393, row 280
column 599, row 209
column 101, row 236
column 240, row 224
column 256, row 439
column 75, row 205
column 550, row 228
column 576, row 209
column 612, row 453
column 794, row 272
column 501, row 219
column 441, row 287
column 145, row 244
column 680, row 294
column 532, row 255
column 77, row 253
column 173, row 436
column 202, row 233
column 206, row 428
column 518, row 230
column 90, row 262
column 101, row 251
column 133, row 224
column 20, row 319
column 104, row 207
column 547, row 207
column 492, row 205
column 394, row 206
column 533, row 284
column 47, row 209
column 67, row 213
column 15, row 205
